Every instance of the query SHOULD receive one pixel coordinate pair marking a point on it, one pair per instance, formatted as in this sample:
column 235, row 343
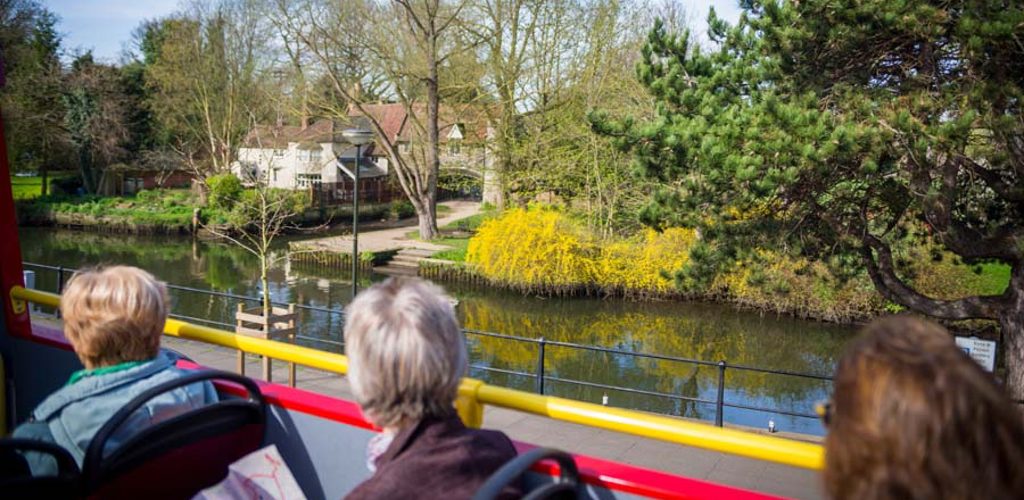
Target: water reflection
column 696, row 331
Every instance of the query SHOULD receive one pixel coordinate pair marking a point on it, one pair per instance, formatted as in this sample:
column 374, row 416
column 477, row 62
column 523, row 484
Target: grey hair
column 406, row 352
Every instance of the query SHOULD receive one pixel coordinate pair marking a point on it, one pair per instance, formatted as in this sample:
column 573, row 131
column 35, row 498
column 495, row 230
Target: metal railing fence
column 474, row 395
column 539, row 375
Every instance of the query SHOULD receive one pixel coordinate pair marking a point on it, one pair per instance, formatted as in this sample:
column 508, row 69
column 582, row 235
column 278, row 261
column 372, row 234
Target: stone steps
column 404, row 263
column 397, row 270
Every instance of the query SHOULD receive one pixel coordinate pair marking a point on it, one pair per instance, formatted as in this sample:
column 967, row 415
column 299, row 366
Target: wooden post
column 238, row 329
column 277, row 325
column 291, row 337
column 268, row 367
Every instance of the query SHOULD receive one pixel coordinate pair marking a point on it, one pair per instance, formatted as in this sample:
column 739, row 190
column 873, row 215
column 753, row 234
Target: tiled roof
column 395, row 121
column 392, row 117
column 278, row 136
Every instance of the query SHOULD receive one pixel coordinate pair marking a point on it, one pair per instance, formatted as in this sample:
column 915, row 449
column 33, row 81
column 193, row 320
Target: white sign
column 455, row 133
column 982, row 351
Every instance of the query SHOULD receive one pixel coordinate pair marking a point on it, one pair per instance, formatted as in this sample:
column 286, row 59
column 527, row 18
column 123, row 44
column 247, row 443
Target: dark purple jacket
column 437, row 458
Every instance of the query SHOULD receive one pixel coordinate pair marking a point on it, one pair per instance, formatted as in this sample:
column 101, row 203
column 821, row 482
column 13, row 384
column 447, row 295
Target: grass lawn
column 995, row 277
column 26, row 188
column 459, row 244
column 458, row 251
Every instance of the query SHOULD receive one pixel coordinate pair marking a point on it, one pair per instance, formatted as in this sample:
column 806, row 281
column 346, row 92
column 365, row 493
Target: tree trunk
column 85, row 168
column 265, row 283
column 46, row 180
column 428, row 217
column 1011, row 322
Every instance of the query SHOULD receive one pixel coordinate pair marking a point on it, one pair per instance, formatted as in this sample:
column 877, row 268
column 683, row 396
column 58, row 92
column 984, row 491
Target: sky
column 105, row 26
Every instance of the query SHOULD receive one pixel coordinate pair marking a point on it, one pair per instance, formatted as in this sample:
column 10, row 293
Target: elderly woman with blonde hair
column 113, row 318
column 407, row 356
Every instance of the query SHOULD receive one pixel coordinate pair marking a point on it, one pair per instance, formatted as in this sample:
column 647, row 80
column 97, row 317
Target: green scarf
column 103, row 370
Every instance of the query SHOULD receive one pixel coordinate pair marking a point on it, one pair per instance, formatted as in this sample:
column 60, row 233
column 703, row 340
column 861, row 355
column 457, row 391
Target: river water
column 699, row 331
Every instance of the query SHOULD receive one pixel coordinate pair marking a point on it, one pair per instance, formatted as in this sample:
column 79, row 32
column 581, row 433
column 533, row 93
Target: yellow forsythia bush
column 639, row 265
column 538, row 249
column 542, row 250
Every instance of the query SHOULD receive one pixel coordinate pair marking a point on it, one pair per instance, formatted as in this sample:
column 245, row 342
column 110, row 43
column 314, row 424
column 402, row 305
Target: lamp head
column 357, row 136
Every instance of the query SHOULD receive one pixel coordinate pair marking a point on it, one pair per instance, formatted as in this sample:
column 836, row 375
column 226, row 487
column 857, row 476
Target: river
column 689, row 330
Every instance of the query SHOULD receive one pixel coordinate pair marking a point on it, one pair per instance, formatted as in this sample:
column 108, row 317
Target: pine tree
column 835, row 129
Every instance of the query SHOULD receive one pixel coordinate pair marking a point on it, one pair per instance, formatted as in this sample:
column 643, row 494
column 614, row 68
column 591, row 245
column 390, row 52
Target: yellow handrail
column 476, row 393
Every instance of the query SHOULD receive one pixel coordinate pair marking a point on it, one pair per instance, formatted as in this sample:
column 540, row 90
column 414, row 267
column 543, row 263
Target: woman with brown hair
column 913, row 416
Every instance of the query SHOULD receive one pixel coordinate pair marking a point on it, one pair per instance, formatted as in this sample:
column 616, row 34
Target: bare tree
column 406, row 42
column 206, row 76
column 506, row 29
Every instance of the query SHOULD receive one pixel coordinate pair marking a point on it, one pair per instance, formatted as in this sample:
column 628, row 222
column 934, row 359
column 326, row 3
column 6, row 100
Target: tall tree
column 506, row 29
column 96, row 109
column 407, row 43
column 834, row 129
column 33, row 108
column 204, row 68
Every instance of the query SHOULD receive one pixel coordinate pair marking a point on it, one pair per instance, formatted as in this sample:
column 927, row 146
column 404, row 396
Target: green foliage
column 168, row 210
column 33, row 112
column 26, row 188
column 473, row 222
column 813, row 130
column 276, row 207
column 225, row 190
column 401, row 209
column 460, row 184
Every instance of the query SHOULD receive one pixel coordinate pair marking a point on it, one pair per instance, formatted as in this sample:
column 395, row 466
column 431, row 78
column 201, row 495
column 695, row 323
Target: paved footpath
column 393, row 238
column 691, row 462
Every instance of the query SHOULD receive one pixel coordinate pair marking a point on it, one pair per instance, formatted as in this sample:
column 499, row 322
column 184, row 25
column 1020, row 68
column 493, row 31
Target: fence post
column 720, row 401
column 291, row 339
column 238, row 331
column 60, row 285
column 470, row 409
column 540, row 366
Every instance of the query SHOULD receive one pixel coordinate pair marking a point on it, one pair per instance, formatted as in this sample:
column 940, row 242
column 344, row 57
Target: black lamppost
column 358, row 137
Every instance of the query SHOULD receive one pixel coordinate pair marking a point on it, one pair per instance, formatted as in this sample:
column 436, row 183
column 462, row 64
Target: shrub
column 644, row 264
column 225, row 190
column 538, row 249
column 780, row 283
column 542, row 250
column 400, row 209
column 66, row 185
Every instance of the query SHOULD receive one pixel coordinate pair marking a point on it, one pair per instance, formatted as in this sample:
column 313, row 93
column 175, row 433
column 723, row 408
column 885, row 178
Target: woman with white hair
column 407, row 356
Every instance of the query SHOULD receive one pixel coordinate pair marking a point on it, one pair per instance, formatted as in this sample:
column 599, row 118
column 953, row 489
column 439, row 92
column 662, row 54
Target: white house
column 297, row 157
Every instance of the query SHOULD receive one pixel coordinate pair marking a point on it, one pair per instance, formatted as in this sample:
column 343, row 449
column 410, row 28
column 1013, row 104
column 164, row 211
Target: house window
column 133, row 185
column 274, row 174
column 306, row 180
column 279, row 153
column 403, row 147
column 455, row 147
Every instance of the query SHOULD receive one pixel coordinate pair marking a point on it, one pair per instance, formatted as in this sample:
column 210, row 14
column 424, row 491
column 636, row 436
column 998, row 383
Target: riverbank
column 555, row 256
column 166, row 211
